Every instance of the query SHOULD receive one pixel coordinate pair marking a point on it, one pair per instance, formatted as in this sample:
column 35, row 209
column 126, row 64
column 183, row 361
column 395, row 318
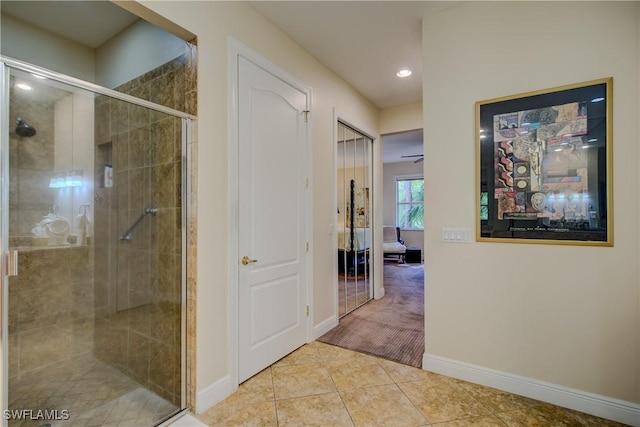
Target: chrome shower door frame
column 4, row 238
column 187, row 122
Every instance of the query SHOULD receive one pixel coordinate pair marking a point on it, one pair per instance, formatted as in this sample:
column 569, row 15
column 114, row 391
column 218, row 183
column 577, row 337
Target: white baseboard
column 379, row 293
column 214, row 394
column 325, row 326
column 582, row 401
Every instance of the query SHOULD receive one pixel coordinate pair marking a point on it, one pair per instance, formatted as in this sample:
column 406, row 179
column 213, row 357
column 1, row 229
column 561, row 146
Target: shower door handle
column 10, row 261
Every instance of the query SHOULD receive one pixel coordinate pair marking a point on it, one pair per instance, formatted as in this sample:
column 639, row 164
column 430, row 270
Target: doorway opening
column 270, row 248
column 392, row 327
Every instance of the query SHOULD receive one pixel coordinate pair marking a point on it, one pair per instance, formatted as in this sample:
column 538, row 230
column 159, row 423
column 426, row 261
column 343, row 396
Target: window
column 410, row 203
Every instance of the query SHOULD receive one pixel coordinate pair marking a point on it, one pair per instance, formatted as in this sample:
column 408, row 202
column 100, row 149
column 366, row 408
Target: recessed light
column 597, row 99
column 23, row 86
column 593, row 140
column 38, row 76
column 405, row 72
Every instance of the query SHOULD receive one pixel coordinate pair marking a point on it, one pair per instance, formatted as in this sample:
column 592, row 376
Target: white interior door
column 272, row 218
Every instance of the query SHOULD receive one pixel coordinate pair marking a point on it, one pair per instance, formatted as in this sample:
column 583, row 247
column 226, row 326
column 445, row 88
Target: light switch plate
column 456, row 235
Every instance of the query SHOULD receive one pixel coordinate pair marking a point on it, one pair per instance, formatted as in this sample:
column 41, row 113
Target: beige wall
column 137, row 49
column 567, row 315
column 213, row 23
column 401, row 118
column 74, row 149
column 25, row 42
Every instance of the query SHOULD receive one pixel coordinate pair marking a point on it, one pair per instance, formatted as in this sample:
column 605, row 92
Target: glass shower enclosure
column 93, row 250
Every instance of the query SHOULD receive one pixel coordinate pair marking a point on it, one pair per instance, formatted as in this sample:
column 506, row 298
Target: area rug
column 391, row 327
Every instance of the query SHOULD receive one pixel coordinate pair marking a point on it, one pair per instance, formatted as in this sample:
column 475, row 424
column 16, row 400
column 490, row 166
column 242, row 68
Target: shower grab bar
column 148, row 211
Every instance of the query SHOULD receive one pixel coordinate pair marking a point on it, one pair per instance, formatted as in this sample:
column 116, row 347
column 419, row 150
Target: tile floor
column 323, row 385
column 93, row 393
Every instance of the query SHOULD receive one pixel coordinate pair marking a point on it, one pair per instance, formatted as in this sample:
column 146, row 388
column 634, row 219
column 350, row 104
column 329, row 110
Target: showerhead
column 23, row 129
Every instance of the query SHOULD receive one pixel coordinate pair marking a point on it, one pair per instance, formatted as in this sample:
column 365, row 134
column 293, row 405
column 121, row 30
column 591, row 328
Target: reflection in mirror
column 354, row 219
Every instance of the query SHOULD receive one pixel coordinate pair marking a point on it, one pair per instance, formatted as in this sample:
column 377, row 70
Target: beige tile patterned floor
column 93, row 393
column 323, row 385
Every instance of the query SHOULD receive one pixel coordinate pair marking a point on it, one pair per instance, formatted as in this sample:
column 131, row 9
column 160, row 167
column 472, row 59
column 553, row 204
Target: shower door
column 354, row 158
column 92, row 220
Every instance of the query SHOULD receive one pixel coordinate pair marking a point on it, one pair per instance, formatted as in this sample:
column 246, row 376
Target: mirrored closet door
column 354, row 218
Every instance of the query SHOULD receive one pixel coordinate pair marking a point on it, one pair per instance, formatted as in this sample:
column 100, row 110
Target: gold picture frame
column 544, row 164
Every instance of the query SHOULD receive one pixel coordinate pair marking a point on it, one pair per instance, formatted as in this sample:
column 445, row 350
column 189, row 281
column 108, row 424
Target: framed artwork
column 544, row 166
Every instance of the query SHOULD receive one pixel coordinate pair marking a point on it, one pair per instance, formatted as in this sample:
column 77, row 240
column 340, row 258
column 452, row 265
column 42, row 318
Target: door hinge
column 307, row 311
column 306, row 183
column 306, row 246
column 306, row 115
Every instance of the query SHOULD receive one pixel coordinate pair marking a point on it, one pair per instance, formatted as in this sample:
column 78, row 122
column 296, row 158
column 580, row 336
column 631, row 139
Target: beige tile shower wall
column 50, row 307
column 51, row 301
column 30, row 165
column 138, row 295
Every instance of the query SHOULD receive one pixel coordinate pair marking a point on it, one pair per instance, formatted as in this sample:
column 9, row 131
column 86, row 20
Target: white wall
column 567, row 315
column 134, row 51
column 213, row 23
column 25, row 42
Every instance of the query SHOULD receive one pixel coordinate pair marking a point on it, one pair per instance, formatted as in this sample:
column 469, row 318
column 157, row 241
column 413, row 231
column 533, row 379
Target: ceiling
column 364, row 42
column 90, row 23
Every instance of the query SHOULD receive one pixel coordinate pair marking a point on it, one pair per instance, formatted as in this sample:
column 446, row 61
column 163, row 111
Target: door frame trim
column 376, row 159
column 235, row 50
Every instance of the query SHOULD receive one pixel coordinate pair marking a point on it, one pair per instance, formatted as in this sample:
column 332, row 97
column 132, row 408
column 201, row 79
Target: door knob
column 246, row 260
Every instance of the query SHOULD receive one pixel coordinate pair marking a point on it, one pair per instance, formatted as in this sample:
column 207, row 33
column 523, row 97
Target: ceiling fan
column 419, row 159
